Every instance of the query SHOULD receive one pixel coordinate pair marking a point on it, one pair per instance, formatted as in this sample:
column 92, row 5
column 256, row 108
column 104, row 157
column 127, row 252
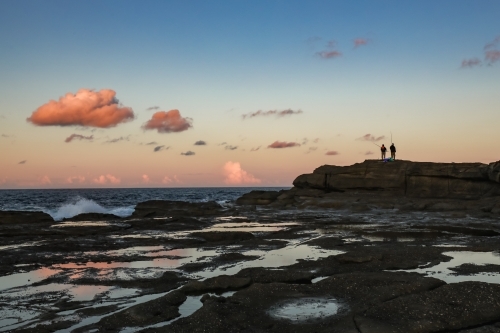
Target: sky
column 202, row 93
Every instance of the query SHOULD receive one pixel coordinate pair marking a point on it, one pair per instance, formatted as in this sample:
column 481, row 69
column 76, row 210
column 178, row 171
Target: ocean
column 65, row 203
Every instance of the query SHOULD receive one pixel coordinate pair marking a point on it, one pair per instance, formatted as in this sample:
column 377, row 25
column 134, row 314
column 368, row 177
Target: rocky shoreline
column 374, row 247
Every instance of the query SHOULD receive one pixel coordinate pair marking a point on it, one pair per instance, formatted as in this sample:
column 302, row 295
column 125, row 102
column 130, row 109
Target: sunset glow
column 240, row 93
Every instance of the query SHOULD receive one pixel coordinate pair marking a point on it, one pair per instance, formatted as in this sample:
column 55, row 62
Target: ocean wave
column 83, row 205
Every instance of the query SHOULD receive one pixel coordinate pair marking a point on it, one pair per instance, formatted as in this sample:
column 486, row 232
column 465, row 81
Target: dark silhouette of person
column 393, row 151
column 383, row 150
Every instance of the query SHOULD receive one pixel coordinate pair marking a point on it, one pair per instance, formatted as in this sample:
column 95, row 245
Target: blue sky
column 217, row 60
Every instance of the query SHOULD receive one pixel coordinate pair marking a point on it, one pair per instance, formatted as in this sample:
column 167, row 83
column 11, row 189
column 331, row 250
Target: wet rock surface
column 357, row 268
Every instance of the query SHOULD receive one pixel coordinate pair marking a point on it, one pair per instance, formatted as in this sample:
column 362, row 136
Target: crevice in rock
column 356, row 324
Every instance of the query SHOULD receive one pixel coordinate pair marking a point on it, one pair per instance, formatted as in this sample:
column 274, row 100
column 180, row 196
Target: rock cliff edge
column 400, row 184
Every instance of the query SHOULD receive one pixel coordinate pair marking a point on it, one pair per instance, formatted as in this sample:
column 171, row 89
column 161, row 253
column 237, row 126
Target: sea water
column 65, row 203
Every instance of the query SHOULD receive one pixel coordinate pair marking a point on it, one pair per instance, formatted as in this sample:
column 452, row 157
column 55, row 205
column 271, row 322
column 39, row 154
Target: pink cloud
column 280, row 144
column 331, row 43
column 236, row 175
column 493, row 43
column 278, row 114
column 468, row 63
column 492, row 56
column 168, row 121
column 75, row 179
column 168, row 180
column 360, row 42
column 145, row 179
column 332, row 153
column 45, row 180
column 328, row 54
column 104, row 179
column 79, row 137
column 311, row 149
column 371, row 138
column 85, row 108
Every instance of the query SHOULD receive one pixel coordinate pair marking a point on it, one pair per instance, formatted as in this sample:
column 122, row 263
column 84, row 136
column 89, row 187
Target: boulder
column 258, row 198
column 154, row 208
column 23, row 217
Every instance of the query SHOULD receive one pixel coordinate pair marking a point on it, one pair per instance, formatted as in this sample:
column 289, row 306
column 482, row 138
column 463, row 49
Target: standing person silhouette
column 383, row 150
column 393, row 151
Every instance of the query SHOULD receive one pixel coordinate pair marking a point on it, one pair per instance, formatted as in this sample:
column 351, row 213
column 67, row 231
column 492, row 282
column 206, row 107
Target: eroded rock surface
column 405, row 185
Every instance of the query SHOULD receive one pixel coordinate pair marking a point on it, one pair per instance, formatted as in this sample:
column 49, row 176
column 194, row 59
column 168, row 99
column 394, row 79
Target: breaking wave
column 82, row 205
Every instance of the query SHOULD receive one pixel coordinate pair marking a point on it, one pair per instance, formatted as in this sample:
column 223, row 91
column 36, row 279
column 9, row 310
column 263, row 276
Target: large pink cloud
column 371, row 138
column 85, row 108
column 282, row 144
column 168, row 121
column 235, row 175
column 278, row 114
column 79, row 137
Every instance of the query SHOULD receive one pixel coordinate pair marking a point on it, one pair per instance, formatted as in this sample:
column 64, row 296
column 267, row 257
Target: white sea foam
column 82, row 205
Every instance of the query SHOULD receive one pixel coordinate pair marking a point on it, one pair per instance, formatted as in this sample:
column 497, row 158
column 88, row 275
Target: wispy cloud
column 255, row 149
column 492, row 56
column 222, row 144
column 316, row 140
column 229, row 147
column 235, row 175
column 45, row 180
column 200, row 143
column 75, row 180
column 492, row 44
column 23, row 162
column 171, row 180
column 371, row 138
column 152, row 108
column 369, row 153
column 329, row 54
column 6, row 136
column 311, row 41
column 105, row 179
column 167, row 122
column 160, row 148
column 332, row 153
column 78, row 137
column 188, row 153
column 468, row 63
column 276, row 113
column 360, row 42
column 151, row 143
column 121, row 138
column 311, row 149
column 282, row 144
column 85, row 108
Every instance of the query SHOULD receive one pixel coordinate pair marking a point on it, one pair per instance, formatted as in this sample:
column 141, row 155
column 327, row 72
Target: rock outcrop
column 23, row 217
column 154, row 208
column 378, row 181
